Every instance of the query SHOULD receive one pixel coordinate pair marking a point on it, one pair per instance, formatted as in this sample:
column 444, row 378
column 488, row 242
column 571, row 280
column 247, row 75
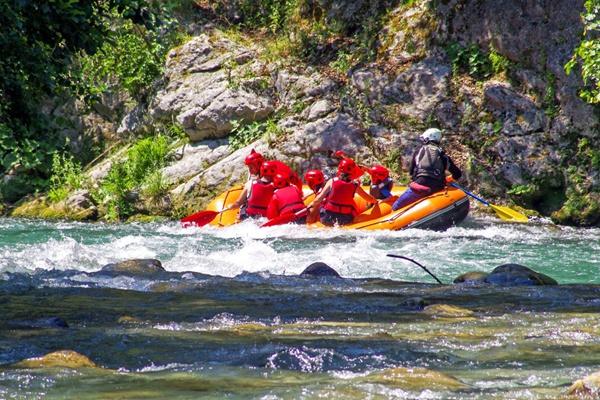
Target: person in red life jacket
column 315, row 179
column 381, row 182
column 253, row 161
column 287, row 198
column 427, row 169
column 340, row 207
column 257, row 193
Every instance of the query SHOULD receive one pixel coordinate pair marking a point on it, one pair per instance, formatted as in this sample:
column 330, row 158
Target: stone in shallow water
column 416, row 379
column 517, row 275
column 60, row 359
column 586, row 388
column 144, row 266
column 446, row 310
column 319, row 269
column 471, row 277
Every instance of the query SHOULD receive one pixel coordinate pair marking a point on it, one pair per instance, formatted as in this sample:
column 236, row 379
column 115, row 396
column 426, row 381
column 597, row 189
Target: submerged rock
column 472, row 277
column 446, row 310
column 40, row 323
column 144, row 266
column 61, row 359
column 319, row 269
column 414, row 379
column 517, row 275
column 586, row 388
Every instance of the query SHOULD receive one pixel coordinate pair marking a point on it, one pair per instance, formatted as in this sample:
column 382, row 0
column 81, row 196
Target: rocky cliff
column 490, row 74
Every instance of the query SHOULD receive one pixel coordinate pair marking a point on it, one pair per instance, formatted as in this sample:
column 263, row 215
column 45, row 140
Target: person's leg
column 405, row 199
column 344, row 219
column 326, row 218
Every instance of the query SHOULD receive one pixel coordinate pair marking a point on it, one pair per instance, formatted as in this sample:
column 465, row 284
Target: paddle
column 504, row 213
column 200, row 218
column 413, row 261
column 285, row 218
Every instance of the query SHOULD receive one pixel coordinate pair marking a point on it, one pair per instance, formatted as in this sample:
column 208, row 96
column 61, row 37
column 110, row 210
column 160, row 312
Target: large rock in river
column 60, row 359
column 472, row 277
column 148, row 266
column 517, row 275
column 319, row 269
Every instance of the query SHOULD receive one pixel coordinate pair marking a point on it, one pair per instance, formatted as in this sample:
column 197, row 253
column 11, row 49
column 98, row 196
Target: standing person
column 340, row 208
column 381, row 182
column 253, row 161
column 257, row 193
column 287, row 198
column 427, row 169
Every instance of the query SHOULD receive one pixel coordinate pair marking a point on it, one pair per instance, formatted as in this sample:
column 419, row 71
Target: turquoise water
column 230, row 318
column 567, row 254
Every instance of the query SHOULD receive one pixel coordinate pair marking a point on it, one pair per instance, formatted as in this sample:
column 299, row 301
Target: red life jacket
column 259, row 198
column 341, row 197
column 289, row 199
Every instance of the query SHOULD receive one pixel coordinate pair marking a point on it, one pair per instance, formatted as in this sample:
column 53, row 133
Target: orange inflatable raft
column 438, row 211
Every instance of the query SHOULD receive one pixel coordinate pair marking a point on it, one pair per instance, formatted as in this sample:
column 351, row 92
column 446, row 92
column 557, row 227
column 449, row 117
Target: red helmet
column 254, row 160
column 314, row 178
column 268, row 169
column 378, row 173
column 281, row 181
column 346, row 166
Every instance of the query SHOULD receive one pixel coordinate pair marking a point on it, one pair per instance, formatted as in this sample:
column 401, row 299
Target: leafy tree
column 587, row 54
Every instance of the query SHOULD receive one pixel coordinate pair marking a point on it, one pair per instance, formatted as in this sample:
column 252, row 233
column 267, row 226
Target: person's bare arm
column 241, row 199
column 361, row 192
column 322, row 194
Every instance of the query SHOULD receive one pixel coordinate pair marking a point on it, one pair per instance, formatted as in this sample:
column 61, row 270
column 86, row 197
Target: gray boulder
column 517, row 275
column 148, row 266
column 319, row 269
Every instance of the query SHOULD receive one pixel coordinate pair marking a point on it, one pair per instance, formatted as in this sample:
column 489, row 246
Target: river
column 230, row 318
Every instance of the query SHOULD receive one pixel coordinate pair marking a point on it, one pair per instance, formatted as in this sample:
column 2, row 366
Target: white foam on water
column 288, row 249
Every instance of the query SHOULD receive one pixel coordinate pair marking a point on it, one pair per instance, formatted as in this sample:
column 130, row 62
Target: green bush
column 143, row 160
column 242, row 135
column 66, row 177
column 470, row 60
column 587, row 54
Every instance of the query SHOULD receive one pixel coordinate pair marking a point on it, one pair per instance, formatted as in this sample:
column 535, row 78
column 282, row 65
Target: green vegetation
column 242, row 135
column 66, row 177
column 587, row 54
column 474, row 62
column 140, row 170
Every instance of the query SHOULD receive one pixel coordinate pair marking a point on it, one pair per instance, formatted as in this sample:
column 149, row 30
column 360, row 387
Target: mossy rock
column 447, row 311
column 579, row 210
column 414, row 379
column 129, row 320
column 147, row 218
column 518, row 275
column 147, row 266
column 586, row 388
column 471, row 277
column 41, row 208
column 58, row 359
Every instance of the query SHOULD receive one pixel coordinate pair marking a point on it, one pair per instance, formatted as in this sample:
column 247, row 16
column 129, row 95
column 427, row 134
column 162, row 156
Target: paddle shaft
column 420, row 265
column 456, row 185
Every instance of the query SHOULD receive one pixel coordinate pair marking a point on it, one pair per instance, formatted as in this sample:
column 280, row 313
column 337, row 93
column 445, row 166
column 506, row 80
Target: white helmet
column 431, row 135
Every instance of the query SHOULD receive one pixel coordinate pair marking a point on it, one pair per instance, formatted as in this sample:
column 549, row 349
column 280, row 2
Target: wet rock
column 39, row 323
column 472, row 277
column 446, row 310
column 517, row 275
column 319, row 269
column 58, row 359
column 415, row 379
column 148, row 266
column 128, row 320
column 586, row 388
column 417, row 303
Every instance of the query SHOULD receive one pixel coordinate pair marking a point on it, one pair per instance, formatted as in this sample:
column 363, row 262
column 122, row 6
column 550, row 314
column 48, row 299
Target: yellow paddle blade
column 508, row 214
